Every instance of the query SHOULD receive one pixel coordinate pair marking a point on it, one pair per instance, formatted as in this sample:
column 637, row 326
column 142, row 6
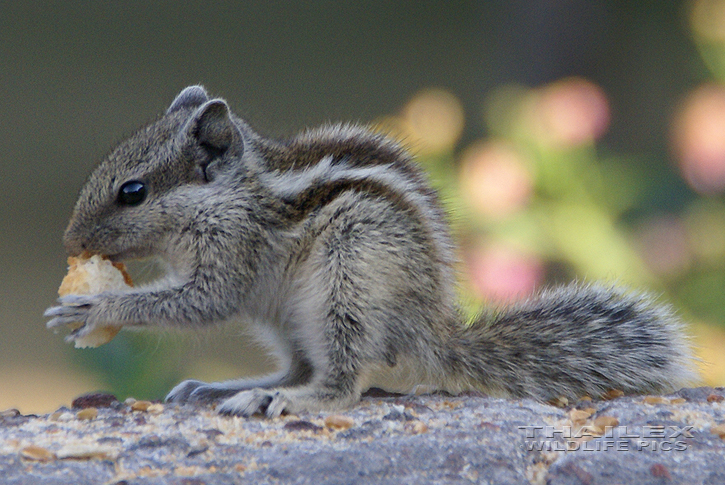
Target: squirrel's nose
column 73, row 242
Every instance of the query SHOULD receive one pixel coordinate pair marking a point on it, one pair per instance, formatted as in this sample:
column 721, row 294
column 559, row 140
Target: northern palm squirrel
column 334, row 249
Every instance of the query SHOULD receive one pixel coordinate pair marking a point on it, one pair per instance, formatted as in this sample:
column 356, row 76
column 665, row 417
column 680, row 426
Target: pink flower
column 699, row 138
column 570, row 112
column 502, row 273
column 494, row 179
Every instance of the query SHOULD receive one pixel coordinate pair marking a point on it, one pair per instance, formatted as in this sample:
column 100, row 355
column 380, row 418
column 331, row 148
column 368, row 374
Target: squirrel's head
column 136, row 194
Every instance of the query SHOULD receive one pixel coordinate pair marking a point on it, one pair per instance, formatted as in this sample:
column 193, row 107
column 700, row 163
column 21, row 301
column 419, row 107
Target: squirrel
column 335, row 250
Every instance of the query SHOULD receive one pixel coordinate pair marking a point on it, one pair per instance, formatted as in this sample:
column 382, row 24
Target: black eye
column 132, row 193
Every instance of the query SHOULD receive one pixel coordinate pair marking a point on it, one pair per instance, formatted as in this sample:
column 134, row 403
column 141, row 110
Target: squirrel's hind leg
column 333, row 381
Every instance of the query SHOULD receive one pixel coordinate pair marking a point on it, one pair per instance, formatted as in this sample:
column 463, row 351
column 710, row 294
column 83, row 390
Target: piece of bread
column 90, row 275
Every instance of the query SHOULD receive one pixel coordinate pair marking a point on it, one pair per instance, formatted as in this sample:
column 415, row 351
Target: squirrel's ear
column 212, row 127
column 190, row 97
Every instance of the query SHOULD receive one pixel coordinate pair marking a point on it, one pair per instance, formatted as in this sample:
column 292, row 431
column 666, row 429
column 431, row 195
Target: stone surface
column 387, row 439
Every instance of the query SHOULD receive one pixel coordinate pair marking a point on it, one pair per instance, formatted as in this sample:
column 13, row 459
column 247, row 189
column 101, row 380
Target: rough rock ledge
column 387, row 438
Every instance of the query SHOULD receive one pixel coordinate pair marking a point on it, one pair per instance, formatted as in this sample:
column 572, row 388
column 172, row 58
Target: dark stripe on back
column 357, row 149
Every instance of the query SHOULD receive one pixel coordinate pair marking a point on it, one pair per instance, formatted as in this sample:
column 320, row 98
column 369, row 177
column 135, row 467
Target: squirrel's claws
column 63, row 311
column 60, row 322
column 76, row 300
column 77, row 333
column 53, row 311
column 65, row 315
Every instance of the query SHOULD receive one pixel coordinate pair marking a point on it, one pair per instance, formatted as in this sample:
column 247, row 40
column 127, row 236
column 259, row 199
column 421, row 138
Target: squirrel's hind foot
column 274, row 402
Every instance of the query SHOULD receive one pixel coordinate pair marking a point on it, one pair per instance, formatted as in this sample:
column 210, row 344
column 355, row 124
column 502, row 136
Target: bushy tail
column 574, row 341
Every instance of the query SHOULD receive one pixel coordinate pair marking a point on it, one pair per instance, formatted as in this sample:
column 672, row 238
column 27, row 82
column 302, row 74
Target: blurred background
column 570, row 139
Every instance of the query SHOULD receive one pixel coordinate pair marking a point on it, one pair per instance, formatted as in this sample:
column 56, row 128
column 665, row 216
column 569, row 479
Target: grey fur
column 191, row 97
column 335, row 250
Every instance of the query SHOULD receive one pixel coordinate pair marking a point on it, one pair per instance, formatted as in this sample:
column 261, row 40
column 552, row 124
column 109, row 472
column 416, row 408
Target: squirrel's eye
column 132, row 193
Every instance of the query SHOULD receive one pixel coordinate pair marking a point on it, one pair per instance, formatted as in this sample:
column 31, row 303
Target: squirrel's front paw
column 83, row 313
column 270, row 402
column 193, row 391
column 72, row 309
column 183, row 391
